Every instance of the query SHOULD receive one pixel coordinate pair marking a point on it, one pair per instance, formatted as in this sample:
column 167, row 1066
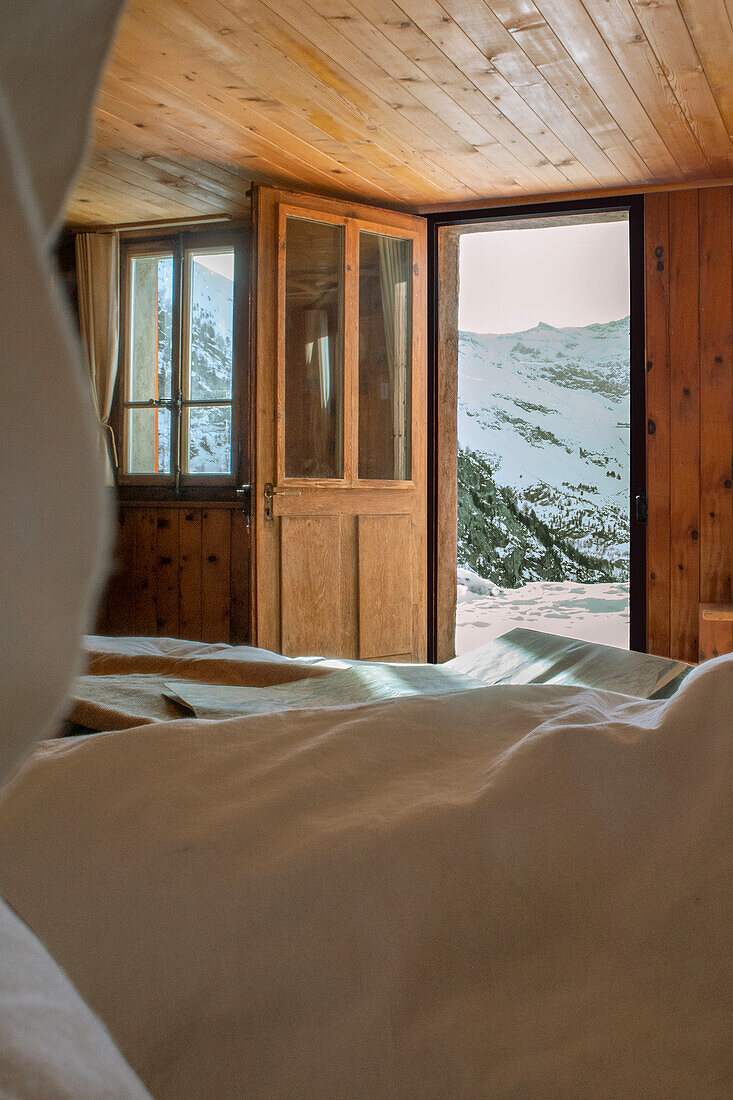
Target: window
column 177, row 379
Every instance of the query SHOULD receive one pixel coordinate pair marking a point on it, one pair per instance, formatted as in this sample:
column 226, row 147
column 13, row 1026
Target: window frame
column 177, row 484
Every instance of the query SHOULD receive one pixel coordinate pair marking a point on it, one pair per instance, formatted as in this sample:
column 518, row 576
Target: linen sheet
column 133, row 680
column 508, row 892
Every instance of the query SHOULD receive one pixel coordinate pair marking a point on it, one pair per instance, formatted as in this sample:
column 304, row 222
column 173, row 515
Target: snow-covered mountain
column 545, row 412
column 211, row 371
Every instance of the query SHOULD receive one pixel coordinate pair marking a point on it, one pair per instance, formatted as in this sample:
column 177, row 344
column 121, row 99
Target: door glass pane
column 210, row 326
column 151, row 327
column 385, row 341
column 208, row 431
column 314, row 367
column 148, row 441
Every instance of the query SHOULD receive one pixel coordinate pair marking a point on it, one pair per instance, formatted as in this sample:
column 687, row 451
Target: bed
column 462, row 891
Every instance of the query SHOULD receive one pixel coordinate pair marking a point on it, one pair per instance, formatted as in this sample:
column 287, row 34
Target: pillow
column 52, row 1046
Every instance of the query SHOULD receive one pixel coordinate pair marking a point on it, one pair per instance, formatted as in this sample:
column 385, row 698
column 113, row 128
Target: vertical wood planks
column 656, row 248
column 180, row 572
column 689, row 321
column 716, row 395
column 167, row 580
column 239, row 633
column 215, row 580
column 146, row 555
column 190, row 573
column 716, row 632
column 684, row 352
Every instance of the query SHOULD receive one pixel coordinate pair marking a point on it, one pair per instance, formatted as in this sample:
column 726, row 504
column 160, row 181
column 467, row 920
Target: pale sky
column 220, row 262
column 568, row 275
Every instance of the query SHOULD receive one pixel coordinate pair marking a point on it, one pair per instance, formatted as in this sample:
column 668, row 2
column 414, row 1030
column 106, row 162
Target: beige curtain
column 394, row 277
column 97, row 269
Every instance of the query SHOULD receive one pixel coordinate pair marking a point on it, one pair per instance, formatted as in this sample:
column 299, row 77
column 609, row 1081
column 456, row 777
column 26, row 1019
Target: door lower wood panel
column 179, row 571
column 385, row 586
column 347, row 586
column 311, row 556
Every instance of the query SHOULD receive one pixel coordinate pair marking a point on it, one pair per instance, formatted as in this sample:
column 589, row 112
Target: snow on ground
column 589, row 612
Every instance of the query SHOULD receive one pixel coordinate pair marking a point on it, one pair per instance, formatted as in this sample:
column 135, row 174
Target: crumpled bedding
column 125, row 678
column 511, row 892
column 128, row 681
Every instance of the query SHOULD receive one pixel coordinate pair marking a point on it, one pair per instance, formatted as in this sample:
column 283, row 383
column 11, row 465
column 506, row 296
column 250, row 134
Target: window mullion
column 176, row 382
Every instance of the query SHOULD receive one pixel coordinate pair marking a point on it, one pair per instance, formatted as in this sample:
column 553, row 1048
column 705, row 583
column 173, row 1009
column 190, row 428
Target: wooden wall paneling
column 716, row 630
column 167, row 573
column 312, row 579
column 716, row 395
column 215, row 574
column 145, row 570
column 116, row 612
column 657, row 255
column 684, row 334
column 385, row 580
column 190, row 574
column 240, row 579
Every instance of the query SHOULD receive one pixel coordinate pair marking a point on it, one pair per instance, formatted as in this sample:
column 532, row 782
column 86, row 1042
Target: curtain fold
column 97, row 268
column 393, row 276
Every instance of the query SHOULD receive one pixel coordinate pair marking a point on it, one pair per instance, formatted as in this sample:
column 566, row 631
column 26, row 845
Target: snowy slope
column 591, row 612
column 549, row 409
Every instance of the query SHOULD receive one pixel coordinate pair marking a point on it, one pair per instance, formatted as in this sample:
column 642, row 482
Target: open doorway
column 543, row 407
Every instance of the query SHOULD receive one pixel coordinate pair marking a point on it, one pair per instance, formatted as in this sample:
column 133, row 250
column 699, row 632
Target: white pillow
column 52, row 1046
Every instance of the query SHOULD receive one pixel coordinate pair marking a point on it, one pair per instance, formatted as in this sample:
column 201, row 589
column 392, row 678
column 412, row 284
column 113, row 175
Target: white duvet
column 511, row 892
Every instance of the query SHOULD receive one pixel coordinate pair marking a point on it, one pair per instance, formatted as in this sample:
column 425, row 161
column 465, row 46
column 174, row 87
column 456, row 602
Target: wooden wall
column 181, row 571
column 689, row 362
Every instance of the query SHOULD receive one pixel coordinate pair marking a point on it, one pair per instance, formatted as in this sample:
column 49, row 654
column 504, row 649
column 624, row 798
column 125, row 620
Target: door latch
column 641, row 507
column 270, row 492
column 243, row 491
column 268, row 495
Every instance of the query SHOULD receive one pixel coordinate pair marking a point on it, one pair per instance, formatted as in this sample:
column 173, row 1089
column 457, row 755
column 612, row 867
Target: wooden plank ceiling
column 406, row 104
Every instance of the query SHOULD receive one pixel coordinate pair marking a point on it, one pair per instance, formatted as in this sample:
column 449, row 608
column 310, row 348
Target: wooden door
column 340, row 454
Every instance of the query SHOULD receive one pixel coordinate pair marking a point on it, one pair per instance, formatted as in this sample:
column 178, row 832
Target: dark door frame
column 634, row 205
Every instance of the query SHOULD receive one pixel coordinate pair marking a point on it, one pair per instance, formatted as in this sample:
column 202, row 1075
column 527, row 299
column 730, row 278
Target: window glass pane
column 151, row 331
column 385, row 342
column 210, row 320
column 209, row 433
column 148, row 441
column 314, row 367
